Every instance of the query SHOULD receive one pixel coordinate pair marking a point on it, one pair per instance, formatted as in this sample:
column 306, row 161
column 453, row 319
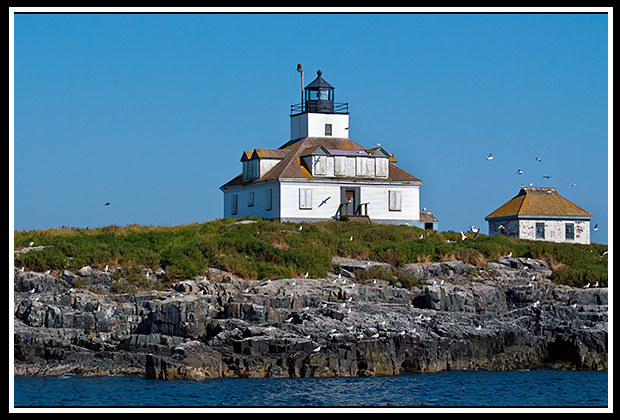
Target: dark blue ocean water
column 537, row 388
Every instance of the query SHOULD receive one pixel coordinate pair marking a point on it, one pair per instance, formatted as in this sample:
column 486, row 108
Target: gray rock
column 85, row 271
column 223, row 326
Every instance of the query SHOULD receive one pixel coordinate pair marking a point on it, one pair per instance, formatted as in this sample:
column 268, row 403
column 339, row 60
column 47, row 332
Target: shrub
column 378, row 272
column 271, row 249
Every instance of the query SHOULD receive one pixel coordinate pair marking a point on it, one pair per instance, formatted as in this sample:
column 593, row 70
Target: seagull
column 479, row 327
column 546, row 176
column 463, row 237
column 476, row 231
column 288, row 320
column 490, row 157
column 31, row 243
column 105, row 270
column 538, row 159
column 300, row 228
column 47, row 272
column 107, row 204
column 595, row 284
column 519, row 171
column 595, row 227
column 573, row 185
column 306, row 275
column 21, row 270
column 375, row 335
column 586, row 286
column 509, row 254
column 351, row 238
column 574, row 305
column 316, row 350
column 535, row 304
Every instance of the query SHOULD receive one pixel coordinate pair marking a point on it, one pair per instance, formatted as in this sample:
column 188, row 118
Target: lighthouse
column 318, row 115
column 320, row 174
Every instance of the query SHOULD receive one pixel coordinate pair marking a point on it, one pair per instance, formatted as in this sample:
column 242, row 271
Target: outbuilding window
column 570, row 231
column 540, row 230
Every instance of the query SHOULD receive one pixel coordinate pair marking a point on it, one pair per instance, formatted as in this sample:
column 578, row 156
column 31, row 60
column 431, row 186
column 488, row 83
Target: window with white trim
column 305, row 199
column 395, row 201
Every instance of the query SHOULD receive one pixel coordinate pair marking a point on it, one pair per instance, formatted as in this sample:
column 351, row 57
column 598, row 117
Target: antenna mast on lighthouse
column 302, row 85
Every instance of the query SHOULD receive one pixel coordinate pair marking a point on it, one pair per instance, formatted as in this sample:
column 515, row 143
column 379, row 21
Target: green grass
column 271, row 249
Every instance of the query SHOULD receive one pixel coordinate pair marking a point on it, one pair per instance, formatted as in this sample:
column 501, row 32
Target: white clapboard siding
column 325, row 201
column 256, row 200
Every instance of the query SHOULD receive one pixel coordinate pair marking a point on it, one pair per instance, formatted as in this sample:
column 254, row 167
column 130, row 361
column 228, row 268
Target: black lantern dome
column 319, row 95
column 319, row 98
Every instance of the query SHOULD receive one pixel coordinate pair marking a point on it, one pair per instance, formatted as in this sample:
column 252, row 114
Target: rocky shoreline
column 507, row 316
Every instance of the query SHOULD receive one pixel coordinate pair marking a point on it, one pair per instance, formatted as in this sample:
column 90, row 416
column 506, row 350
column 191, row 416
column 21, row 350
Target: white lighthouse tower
column 318, row 115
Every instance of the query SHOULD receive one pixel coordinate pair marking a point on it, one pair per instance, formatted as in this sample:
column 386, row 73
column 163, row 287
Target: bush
column 378, row 272
column 271, row 249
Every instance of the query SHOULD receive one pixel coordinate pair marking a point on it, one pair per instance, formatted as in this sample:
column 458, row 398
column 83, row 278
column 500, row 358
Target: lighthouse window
column 323, row 94
column 328, row 129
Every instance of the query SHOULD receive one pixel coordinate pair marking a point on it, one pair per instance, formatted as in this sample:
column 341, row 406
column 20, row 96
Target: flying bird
column 519, row 171
column 595, row 227
column 490, row 157
column 538, row 159
column 573, row 185
column 463, row 237
column 546, row 176
column 475, row 231
column 107, row 204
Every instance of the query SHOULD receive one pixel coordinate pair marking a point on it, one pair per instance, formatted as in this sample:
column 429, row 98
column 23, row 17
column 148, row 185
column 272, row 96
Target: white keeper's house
column 321, row 174
column 540, row 213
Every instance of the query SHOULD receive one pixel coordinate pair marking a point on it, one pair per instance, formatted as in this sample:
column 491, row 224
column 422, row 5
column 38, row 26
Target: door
column 349, row 198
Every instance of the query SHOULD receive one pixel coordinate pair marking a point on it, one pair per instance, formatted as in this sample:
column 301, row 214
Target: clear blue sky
column 152, row 112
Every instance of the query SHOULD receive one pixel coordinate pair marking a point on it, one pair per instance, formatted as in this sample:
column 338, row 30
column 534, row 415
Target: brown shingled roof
column 538, row 201
column 290, row 167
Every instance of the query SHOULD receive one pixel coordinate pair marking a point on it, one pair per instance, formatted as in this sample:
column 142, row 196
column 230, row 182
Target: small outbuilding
column 540, row 213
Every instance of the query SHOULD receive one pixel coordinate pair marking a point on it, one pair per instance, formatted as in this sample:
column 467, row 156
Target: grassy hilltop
column 271, row 249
